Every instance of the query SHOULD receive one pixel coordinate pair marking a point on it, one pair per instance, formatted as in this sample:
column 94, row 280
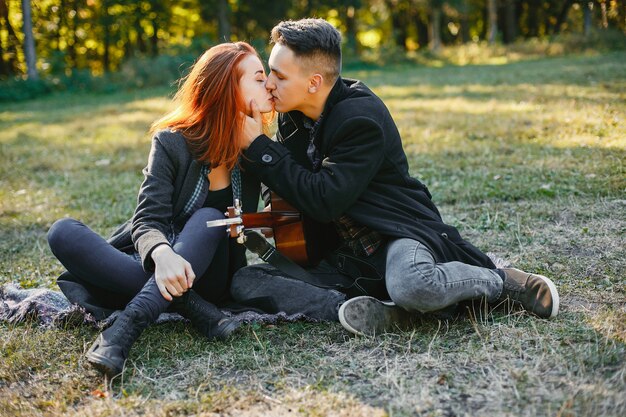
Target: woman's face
column 252, row 84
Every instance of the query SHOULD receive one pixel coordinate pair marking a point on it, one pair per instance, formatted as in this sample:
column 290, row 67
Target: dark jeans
column 267, row 288
column 113, row 278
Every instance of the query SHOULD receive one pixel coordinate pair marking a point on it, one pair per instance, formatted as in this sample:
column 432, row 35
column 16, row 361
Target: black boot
column 110, row 350
column 204, row 316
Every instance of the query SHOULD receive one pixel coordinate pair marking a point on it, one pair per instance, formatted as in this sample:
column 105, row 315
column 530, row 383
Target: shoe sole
column 225, row 332
column 379, row 304
column 555, row 295
column 103, row 364
column 553, row 292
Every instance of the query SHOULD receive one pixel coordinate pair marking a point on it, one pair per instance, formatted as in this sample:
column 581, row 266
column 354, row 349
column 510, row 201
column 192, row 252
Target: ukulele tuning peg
column 237, row 207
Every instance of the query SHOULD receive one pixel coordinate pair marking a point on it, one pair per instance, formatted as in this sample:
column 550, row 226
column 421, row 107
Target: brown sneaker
column 536, row 293
column 366, row 315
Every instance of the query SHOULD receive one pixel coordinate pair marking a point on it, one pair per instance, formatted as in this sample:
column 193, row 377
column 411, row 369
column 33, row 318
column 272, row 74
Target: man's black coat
column 364, row 173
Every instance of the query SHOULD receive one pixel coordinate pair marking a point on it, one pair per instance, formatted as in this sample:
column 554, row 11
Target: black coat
column 170, row 181
column 364, row 173
column 170, row 184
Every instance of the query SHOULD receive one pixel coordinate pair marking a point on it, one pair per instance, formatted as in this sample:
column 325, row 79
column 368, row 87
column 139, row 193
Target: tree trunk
column 29, row 41
column 435, row 28
column 560, row 19
column 587, row 17
column 398, row 22
column 519, row 12
column 60, row 24
column 224, row 21
column 484, row 11
column 423, row 31
column 4, row 68
column 12, row 40
column 533, row 18
column 141, row 44
column 352, row 43
column 399, row 32
column 71, row 46
column 154, row 39
column 106, row 27
column 605, row 19
column 493, row 21
column 510, row 22
column 464, row 21
column 4, row 65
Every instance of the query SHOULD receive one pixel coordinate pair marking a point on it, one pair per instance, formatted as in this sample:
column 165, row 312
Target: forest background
column 107, row 45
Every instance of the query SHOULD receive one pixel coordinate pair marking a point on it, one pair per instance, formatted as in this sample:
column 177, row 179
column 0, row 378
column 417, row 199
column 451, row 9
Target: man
column 339, row 159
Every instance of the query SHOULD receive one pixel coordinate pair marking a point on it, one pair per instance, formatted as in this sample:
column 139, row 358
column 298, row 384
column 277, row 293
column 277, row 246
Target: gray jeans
column 414, row 281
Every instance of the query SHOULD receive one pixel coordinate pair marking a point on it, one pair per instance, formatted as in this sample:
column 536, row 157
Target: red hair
column 209, row 106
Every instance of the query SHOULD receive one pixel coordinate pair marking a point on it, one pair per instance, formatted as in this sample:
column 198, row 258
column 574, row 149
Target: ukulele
column 293, row 233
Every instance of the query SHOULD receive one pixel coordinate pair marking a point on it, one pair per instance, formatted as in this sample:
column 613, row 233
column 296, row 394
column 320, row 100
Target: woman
column 165, row 257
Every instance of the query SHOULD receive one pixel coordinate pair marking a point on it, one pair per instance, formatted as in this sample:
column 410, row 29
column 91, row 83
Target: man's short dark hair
column 315, row 40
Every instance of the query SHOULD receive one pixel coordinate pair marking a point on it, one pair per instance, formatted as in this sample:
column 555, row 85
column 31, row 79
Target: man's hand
column 252, row 127
column 173, row 274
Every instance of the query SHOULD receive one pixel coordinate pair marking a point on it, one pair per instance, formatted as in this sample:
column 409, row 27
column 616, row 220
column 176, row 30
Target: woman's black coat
column 171, row 192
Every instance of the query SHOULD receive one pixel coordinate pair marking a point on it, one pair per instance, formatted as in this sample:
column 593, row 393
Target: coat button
column 444, row 235
column 267, row 158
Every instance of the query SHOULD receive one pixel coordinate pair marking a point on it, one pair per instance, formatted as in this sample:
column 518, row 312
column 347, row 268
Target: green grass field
column 525, row 158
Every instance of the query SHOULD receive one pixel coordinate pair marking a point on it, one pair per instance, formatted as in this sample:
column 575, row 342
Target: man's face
column 287, row 81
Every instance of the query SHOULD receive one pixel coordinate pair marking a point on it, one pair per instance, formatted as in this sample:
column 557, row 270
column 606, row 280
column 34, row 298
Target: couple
column 337, row 157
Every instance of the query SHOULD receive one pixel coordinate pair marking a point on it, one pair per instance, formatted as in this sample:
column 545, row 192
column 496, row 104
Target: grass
column 526, row 158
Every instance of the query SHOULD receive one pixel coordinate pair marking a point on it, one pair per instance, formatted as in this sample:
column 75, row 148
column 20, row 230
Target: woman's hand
column 173, row 274
column 252, row 126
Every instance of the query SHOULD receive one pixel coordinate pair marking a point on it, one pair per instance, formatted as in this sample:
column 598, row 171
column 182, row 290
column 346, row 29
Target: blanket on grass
column 50, row 308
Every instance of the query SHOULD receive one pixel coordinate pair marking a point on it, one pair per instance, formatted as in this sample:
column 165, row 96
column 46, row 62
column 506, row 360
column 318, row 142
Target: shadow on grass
column 63, row 107
column 570, row 70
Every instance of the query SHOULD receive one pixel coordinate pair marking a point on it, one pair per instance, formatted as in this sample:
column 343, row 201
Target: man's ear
column 315, row 83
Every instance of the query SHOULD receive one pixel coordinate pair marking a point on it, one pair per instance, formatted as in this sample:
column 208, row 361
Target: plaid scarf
column 193, row 202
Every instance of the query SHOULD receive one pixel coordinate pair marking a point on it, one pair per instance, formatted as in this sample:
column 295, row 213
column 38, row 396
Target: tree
column 464, row 20
column 347, row 11
column 256, row 18
column 605, row 20
column 29, row 41
column 223, row 19
column 567, row 4
column 398, row 9
column 219, row 10
column 587, row 16
column 10, row 61
column 435, row 25
column 532, row 22
column 510, row 21
column 107, row 21
column 493, row 21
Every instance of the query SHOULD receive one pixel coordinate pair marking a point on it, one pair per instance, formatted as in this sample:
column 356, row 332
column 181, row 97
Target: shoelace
column 128, row 330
